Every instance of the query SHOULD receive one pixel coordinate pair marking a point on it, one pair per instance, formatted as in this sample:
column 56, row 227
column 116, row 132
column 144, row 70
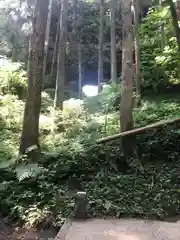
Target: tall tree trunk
column 162, row 36
column 13, row 57
column 74, row 16
column 14, row 49
column 136, row 12
column 60, row 79
column 178, row 9
column 79, row 43
column 113, row 43
column 30, row 130
column 29, row 53
column 80, row 70
column 175, row 21
column 162, row 28
column 55, row 47
column 126, row 107
column 101, row 41
column 47, row 37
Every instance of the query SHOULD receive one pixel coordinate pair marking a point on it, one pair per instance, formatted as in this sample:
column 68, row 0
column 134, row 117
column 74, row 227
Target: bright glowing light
column 90, row 90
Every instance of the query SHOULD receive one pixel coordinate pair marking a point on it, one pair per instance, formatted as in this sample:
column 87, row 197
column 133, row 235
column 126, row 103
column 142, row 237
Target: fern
column 28, row 171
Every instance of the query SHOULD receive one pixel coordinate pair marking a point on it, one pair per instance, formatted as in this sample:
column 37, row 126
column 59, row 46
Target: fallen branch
column 137, row 130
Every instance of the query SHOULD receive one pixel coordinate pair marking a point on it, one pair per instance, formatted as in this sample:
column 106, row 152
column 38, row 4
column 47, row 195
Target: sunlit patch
column 124, row 236
column 90, row 90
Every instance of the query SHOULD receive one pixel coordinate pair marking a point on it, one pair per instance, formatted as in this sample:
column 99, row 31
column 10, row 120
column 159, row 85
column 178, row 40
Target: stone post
column 81, row 202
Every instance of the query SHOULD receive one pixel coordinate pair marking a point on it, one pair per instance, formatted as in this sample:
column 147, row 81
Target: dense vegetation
column 147, row 185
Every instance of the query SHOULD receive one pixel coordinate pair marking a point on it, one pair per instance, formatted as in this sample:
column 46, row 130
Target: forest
column 120, row 144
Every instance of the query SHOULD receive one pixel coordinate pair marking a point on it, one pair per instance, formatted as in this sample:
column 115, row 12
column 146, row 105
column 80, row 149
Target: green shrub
column 106, row 101
column 71, row 160
column 13, row 79
column 11, row 109
column 159, row 64
column 154, row 193
column 46, row 102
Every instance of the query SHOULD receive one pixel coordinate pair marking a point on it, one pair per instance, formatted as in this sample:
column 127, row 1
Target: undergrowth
column 70, row 160
column 42, row 192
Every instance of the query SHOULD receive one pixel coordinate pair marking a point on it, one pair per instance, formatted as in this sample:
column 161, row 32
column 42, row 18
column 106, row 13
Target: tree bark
column 55, row 47
column 175, row 21
column 80, row 70
column 60, row 79
column 178, row 9
column 136, row 12
column 101, row 41
column 162, row 36
column 162, row 27
column 47, row 37
column 126, row 106
column 30, row 130
column 78, row 42
column 113, row 44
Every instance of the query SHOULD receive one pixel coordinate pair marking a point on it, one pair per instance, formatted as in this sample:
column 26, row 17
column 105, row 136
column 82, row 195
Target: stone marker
column 81, row 202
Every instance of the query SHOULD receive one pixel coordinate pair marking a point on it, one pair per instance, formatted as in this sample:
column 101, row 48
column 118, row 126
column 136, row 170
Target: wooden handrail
column 137, row 130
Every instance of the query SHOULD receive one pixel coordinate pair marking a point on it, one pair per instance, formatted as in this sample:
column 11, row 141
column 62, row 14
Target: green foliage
column 33, row 191
column 159, row 64
column 15, row 28
column 106, row 101
column 154, row 193
column 13, row 79
column 70, row 158
column 11, row 109
column 155, row 108
column 24, row 171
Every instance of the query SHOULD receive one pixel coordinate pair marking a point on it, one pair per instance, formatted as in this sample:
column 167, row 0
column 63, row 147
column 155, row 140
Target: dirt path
column 122, row 229
column 99, row 229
